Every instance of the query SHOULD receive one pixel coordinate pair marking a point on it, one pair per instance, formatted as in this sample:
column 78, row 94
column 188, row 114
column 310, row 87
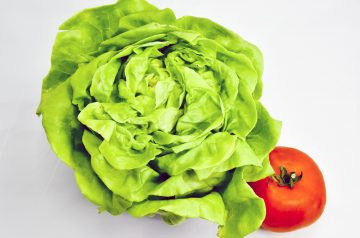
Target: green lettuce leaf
column 210, row 207
column 246, row 211
column 159, row 115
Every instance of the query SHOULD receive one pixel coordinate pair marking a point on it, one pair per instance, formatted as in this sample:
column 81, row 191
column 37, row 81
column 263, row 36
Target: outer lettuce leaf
column 266, row 133
column 246, row 211
column 210, row 207
column 64, row 132
column 158, row 115
column 255, row 173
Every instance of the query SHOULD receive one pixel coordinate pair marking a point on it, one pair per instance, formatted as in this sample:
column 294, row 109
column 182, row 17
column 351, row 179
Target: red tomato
column 295, row 196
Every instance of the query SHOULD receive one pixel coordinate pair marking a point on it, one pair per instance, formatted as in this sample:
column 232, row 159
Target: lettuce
column 159, row 115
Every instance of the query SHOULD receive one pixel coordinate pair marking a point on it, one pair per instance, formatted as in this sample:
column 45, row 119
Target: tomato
column 295, row 196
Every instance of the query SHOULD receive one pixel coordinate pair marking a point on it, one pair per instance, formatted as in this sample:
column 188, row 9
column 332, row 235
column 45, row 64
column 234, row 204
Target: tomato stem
column 286, row 179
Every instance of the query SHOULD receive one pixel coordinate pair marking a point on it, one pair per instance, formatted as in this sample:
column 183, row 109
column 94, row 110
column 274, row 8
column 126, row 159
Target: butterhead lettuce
column 159, row 115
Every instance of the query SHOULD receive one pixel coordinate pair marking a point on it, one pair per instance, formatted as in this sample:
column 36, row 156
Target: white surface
column 311, row 82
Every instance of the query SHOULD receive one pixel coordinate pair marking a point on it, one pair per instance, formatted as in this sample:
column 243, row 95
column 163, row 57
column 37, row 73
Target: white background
column 311, row 82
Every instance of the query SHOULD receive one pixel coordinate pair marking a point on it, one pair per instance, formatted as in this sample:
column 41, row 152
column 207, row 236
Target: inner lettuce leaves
column 159, row 115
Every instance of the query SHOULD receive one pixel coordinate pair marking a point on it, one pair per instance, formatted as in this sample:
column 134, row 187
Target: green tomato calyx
column 286, row 179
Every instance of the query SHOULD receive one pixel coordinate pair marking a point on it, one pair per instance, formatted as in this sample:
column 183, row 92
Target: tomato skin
column 288, row 209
